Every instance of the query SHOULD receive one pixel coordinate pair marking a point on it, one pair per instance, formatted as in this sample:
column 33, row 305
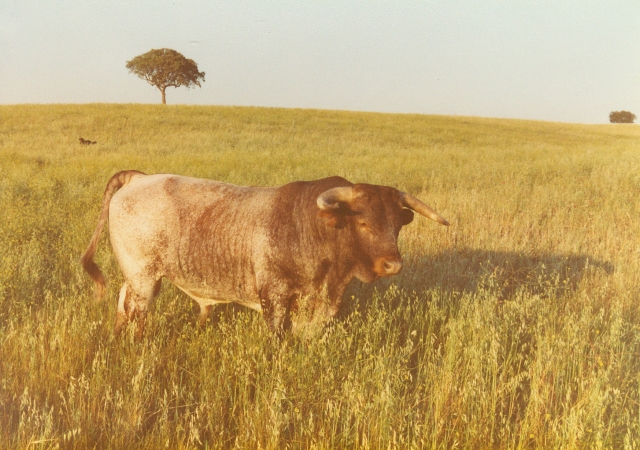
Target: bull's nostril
column 392, row 267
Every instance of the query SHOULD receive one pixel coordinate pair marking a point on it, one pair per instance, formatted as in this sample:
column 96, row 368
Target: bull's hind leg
column 133, row 304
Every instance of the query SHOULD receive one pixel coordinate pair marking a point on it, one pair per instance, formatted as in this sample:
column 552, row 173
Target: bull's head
column 374, row 216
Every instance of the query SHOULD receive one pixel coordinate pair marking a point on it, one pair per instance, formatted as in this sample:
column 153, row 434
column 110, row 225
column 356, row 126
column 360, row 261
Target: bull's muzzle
column 386, row 267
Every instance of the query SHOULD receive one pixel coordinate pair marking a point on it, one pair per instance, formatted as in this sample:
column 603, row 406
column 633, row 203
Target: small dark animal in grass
column 286, row 251
column 87, row 142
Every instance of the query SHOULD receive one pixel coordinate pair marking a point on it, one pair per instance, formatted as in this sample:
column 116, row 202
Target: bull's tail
column 116, row 182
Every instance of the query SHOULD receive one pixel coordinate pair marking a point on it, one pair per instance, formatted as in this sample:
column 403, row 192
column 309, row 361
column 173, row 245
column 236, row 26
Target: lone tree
column 621, row 117
column 164, row 67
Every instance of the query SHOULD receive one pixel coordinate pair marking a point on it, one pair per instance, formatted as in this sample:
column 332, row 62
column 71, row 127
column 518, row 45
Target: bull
column 286, row 251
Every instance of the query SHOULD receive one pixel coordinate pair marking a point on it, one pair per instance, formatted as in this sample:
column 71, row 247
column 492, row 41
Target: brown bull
column 287, row 251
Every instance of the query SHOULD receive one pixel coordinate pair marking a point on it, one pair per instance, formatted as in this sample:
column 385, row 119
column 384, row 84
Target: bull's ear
column 335, row 218
column 334, row 205
column 407, row 216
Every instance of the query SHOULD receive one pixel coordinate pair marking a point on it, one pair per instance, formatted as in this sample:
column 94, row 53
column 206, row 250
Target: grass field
column 516, row 327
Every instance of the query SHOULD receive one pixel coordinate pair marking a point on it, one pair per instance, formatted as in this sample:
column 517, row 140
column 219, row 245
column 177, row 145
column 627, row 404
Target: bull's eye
column 364, row 226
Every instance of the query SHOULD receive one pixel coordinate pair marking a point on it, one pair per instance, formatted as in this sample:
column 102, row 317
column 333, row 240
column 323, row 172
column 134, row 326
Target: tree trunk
column 164, row 97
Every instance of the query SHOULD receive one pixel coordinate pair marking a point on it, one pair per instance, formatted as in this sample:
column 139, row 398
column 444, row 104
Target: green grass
column 516, row 327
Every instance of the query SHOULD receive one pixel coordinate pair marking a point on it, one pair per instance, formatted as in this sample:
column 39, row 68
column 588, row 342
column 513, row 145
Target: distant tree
column 165, row 68
column 621, row 117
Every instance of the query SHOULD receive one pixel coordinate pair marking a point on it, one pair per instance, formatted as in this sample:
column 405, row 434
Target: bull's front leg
column 276, row 308
column 320, row 304
column 311, row 313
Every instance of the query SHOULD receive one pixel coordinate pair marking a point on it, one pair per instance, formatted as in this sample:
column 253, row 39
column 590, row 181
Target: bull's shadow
column 468, row 270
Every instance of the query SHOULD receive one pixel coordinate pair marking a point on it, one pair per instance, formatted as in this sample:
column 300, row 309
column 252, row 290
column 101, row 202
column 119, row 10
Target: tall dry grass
column 517, row 327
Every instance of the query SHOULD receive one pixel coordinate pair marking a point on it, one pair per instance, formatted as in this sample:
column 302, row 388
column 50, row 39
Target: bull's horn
column 331, row 199
column 413, row 203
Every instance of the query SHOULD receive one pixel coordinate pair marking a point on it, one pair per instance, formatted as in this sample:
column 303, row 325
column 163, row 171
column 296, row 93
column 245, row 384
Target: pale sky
column 569, row 61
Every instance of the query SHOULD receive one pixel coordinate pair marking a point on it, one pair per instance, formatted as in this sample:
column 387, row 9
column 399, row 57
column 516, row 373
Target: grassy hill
column 516, row 327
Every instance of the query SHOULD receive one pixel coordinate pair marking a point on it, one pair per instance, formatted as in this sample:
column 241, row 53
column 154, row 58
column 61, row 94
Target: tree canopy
column 165, row 68
column 621, row 117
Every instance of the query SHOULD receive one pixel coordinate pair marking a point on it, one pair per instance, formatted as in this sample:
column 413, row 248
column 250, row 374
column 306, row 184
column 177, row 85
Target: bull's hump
column 324, row 184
